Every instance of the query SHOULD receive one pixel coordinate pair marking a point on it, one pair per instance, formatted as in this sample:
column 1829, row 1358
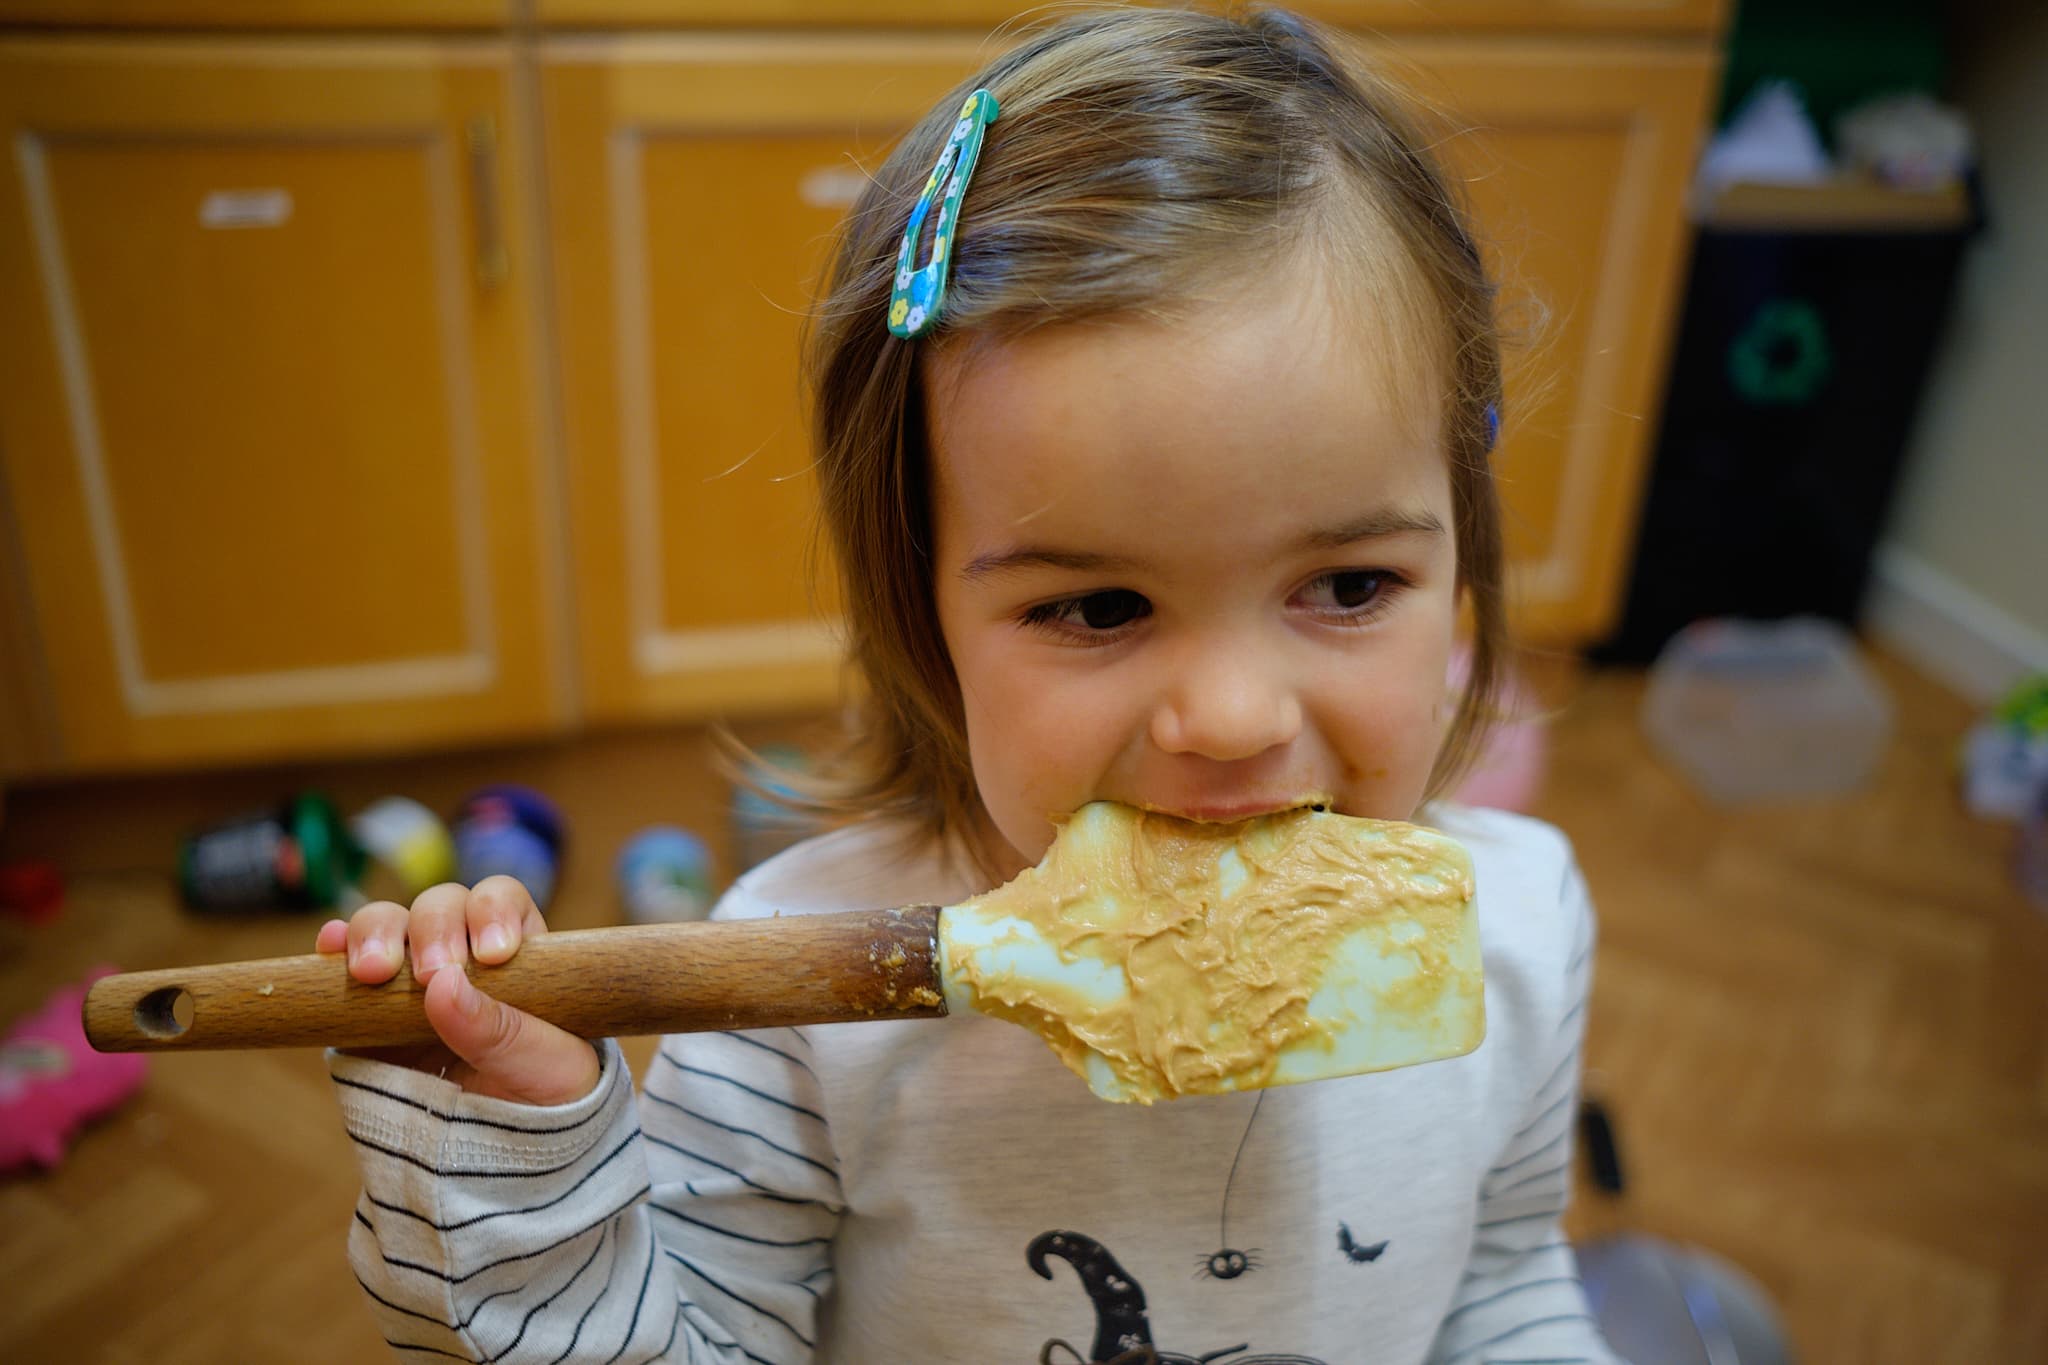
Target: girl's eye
column 1096, row 612
column 1352, row 593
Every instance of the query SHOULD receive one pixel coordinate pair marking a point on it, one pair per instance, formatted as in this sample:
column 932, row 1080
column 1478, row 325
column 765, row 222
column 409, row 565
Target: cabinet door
column 1577, row 159
column 271, row 14
column 265, row 368
column 694, row 184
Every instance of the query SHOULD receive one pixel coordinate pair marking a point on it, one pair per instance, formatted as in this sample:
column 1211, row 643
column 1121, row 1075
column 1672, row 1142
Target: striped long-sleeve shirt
column 946, row 1191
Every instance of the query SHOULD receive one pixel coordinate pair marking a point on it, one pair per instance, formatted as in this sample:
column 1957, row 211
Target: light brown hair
column 1142, row 157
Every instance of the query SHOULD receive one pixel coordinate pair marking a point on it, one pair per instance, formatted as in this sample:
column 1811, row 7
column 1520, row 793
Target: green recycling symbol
column 1782, row 356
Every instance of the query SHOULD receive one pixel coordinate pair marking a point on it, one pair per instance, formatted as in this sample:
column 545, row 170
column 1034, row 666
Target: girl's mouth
column 1220, row 812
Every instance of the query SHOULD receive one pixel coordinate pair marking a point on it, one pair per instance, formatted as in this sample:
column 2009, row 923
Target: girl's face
column 1203, row 567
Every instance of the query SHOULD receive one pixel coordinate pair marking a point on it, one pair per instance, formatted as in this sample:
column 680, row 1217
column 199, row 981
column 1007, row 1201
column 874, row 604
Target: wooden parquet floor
column 1822, row 1029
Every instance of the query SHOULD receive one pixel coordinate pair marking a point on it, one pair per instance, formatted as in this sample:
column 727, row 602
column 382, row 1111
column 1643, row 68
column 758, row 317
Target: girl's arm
column 1521, row 1299
column 494, row 1231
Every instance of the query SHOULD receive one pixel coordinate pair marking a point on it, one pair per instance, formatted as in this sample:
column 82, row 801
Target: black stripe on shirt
column 739, row 1131
column 409, row 1312
column 1498, row 1191
column 1531, row 1155
column 736, row 1236
column 675, row 1325
column 581, row 1180
column 1517, row 1331
column 596, row 1299
column 1537, row 1122
column 742, row 1085
column 722, row 1345
column 738, row 1297
column 1507, row 1250
column 639, row 1302
column 527, row 1321
column 1519, row 1253
column 364, row 1285
column 756, row 1042
column 446, row 1117
column 763, row 1192
column 429, row 1350
column 1498, row 1295
column 446, row 1278
column 1563, row 1069
column 409, row 1159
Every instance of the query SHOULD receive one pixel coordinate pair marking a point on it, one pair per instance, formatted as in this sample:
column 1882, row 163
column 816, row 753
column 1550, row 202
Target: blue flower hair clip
column 919, row 293
column 1492, row 426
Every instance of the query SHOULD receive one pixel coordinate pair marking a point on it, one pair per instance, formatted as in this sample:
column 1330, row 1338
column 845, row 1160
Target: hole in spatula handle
column 164, row 1013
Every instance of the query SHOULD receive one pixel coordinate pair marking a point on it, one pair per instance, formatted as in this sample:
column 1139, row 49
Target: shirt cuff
column 432, row 1122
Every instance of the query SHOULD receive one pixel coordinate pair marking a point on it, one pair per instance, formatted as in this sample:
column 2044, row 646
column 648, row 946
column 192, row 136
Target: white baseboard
column 1979, row 649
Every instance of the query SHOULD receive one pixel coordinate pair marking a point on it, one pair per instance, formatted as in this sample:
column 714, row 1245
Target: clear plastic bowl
column 1762, row 710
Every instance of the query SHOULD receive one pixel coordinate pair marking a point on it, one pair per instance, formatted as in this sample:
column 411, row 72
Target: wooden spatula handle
column 597, row 983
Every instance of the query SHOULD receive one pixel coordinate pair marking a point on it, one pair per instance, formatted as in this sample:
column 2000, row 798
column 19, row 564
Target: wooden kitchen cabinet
column 496, row 428
column 262, row 14
column 694, row 184
column 1576, row 161
column 1612, row 16
column 266, row 397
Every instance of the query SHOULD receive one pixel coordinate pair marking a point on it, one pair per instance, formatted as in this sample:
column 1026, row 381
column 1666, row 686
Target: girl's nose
column 1230, row 706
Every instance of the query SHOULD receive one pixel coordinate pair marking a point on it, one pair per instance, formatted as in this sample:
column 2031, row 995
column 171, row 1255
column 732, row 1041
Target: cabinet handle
column 493, row 264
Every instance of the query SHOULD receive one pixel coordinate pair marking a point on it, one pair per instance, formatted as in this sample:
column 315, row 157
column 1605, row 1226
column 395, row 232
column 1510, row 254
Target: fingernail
column 430, row 960
column 372, row 947
column 495, row 940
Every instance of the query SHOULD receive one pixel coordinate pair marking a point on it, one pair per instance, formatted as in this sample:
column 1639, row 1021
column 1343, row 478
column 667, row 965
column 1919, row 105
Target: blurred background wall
column 1968, row 545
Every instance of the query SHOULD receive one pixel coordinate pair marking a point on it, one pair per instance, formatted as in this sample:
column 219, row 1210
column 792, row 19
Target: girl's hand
column 488, row 1048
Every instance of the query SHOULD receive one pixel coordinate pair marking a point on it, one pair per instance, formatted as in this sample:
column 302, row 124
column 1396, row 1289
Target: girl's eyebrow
column 1038, row 557
column 1381, row 521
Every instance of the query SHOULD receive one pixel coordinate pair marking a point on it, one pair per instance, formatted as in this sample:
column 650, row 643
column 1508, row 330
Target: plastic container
column 510, row 831
column 664, row 875
column 2030, row 854
column 407, row 842
column 1753, row 710
column 2005, row 755
column 298, row 856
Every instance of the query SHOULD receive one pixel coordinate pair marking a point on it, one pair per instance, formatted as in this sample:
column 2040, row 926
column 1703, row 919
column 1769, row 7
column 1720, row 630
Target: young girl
column 1171, row 496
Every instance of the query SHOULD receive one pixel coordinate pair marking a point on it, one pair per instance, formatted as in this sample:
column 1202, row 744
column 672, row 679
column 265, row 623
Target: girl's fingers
column 501, row 913
column 515, row 1056
column 375, row 941
column 439, row 931
column 332, row 938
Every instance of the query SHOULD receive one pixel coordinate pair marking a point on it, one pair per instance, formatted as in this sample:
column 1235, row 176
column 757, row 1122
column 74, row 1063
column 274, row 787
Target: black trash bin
column 1806, row 337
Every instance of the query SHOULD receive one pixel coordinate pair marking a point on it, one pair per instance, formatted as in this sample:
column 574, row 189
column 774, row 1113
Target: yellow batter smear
column 1188, row 954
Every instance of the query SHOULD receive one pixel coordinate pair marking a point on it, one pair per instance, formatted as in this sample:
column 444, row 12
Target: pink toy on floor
column 51, row 1080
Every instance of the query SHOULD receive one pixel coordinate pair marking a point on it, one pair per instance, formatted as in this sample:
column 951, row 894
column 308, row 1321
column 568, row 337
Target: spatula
column 1158, row 958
